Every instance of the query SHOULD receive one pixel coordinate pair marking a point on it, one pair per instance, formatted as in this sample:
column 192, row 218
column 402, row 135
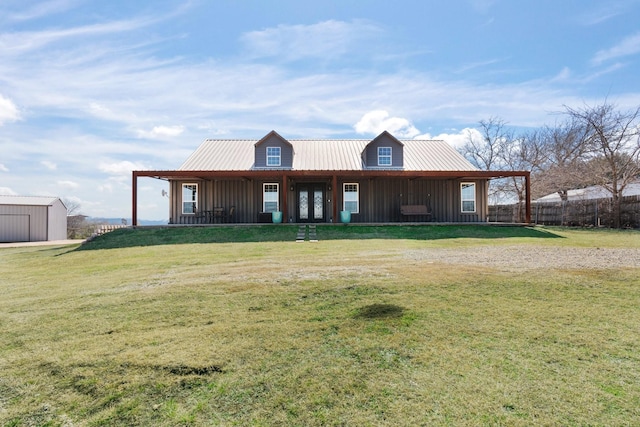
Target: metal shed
column 32, row 219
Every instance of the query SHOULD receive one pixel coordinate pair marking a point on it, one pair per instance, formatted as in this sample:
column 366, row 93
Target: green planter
column 276, row 217
column 345, row 217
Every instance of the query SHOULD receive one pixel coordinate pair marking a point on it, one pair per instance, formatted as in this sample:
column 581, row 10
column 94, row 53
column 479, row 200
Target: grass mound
column 152, row 236
column 339, row 332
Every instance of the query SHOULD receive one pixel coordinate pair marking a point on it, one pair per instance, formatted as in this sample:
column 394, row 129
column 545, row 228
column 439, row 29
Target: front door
column 311, row 202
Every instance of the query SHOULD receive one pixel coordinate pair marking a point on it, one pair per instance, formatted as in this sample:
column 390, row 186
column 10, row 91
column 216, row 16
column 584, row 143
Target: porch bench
column 415, row 210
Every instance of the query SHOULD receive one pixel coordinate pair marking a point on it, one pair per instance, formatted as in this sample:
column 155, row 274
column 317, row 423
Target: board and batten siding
column 371, row 152
column 243, row 194
column 380, row 199
column 286, row 152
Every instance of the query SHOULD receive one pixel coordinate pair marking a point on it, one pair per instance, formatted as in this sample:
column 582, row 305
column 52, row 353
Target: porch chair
column 199, row 217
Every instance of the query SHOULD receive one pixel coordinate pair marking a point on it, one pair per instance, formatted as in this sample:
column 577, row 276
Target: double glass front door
column 311, row 202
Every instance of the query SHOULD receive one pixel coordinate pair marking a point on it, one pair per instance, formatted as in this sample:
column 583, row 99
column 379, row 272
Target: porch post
column 285, row 196
column 134, row 201
column 527, row 214
column 334, row 197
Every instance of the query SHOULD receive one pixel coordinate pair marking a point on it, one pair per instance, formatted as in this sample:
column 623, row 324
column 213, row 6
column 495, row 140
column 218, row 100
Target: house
column 32, row 219
column 593, row 192
column 382, row 180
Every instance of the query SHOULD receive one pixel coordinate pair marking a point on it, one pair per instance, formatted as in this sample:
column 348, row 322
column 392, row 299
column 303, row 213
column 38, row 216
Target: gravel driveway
column 519, row 257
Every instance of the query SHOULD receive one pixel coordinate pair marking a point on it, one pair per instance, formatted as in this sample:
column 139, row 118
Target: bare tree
column 484, row 152
column 524, row 152
column 73, row 207
column 562, row 163
column 77, row 225
column 613, row 139
column 498, row 148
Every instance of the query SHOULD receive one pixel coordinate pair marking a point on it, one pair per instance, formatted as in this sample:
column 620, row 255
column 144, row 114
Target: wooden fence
column 105, row 228
column 583, row 213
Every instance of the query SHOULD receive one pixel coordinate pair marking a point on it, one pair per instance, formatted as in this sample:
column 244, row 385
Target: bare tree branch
column 613, row 139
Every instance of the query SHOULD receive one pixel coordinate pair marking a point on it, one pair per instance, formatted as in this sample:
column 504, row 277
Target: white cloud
column 124, row 167
column 22, row 42
column 43, row 8
column 161, row 132
column 326, row 39
column 8, row 111
column 49, row 165
column 563, row 75
column 596, row 14
column 68, row 184
column 456, row 140
column 482, row 6
column 377, row 121
column 3, row 168
column 628, row 46
column 6, row 191
column 106, row 188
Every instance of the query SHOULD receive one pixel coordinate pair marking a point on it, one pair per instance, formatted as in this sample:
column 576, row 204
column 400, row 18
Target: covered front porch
column 234, row 197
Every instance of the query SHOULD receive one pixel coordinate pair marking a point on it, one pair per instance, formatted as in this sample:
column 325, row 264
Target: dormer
column 273, row 152
column 384, row 152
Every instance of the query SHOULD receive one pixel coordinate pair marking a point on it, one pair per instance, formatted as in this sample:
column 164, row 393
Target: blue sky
column 90, row 90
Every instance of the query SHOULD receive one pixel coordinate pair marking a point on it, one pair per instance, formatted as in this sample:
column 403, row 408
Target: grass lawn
column 243, row 326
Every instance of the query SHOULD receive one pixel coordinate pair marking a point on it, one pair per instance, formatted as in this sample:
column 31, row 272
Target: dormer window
column 273, row 156
column 384, row 156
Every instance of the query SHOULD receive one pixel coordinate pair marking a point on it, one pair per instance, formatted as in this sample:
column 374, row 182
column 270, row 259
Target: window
column 270, row 197
column 189, row 198
column 350, row 198
column 273, row 156
column 384, row 156
column 468, row 196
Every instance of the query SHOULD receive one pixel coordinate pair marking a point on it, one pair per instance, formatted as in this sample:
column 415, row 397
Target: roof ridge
column 22, row 195
column 319, row 139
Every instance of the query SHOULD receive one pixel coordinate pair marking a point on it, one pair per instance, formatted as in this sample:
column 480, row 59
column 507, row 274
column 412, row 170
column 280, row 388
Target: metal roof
column 27, row 200
column 590, row 193
column 324, row 155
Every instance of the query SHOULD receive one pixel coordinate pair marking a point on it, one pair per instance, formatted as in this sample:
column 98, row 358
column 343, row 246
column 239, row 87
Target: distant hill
column 118, row 221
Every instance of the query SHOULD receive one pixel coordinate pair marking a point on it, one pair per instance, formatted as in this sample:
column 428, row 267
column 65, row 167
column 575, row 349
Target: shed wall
column 38, row 222
column 14, row 228
column 57, row 221
column 33, row 223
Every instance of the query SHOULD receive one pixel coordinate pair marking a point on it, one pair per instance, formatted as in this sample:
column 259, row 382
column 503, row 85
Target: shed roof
column 28, row 200
column 324, row 155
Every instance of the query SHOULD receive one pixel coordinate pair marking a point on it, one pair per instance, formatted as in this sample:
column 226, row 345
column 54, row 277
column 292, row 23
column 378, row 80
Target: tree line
column 590, row 145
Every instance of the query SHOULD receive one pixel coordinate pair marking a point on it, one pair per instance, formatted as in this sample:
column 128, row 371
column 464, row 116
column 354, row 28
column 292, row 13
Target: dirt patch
column 519, row 257
column 192, row 370
column 378, row 311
